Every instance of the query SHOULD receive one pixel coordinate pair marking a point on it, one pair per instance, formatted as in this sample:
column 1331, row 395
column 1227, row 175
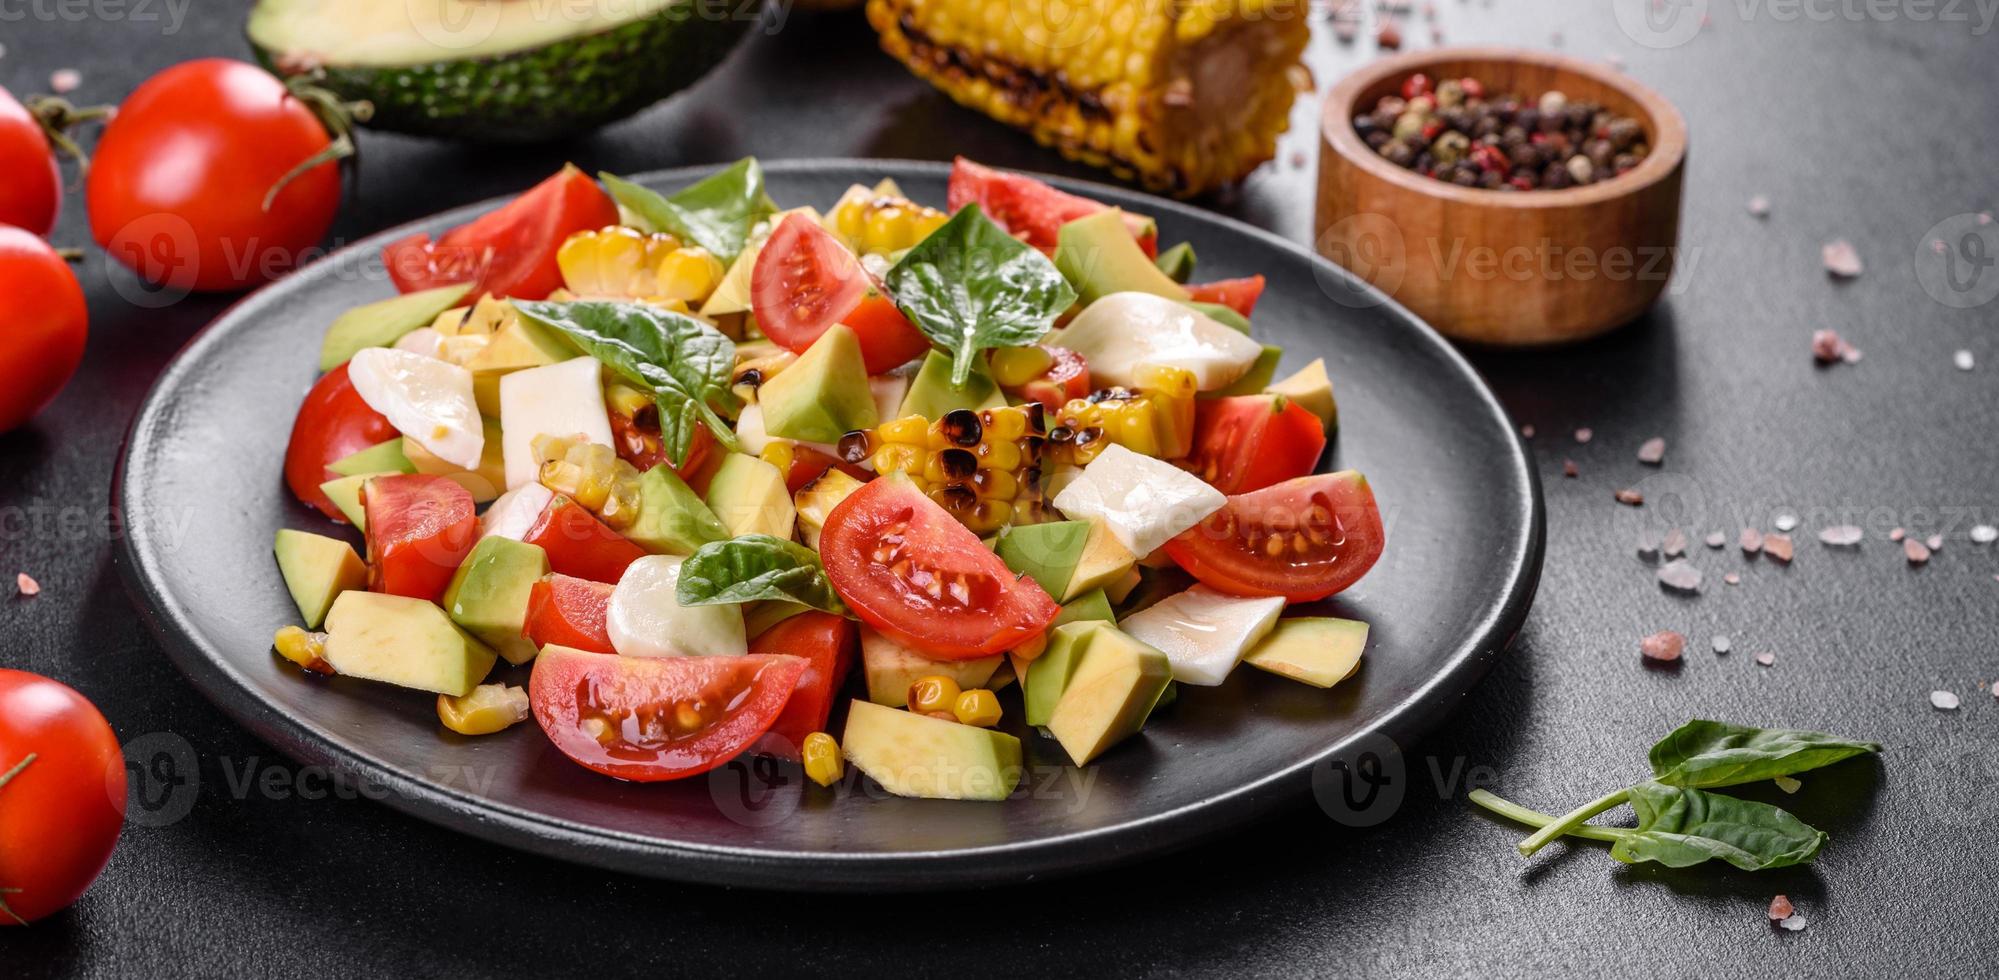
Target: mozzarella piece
column 644, row 619
column 565, row 399
column 422, row 340
column 1143, row 501
column 1120, row 332
column 427, row 400
column 1203, row 632
column 513, row 513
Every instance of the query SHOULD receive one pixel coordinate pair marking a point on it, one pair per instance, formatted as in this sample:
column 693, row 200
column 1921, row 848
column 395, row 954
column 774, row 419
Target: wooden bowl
column 1515, row 268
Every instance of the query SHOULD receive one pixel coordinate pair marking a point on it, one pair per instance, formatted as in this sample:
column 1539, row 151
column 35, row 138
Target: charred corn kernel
column 308, row 650
column 821, row 756
column 875, row 223
column 489, row 708
column 687, row 274
column 978, row 707
column 614, row 262
column 751, row 372
column 1156, row 419
column 983, row 466
column 777, row 453
column 591, row 474
column 933, row 693
column 1016, row 366
column 1183, row 96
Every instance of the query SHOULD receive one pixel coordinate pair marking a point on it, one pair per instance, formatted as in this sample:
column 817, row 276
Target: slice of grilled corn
column 1181, row 95
column 983, row 466
column 1156, row 418
column 623, row 263
column 590, row 474
column 880, row 222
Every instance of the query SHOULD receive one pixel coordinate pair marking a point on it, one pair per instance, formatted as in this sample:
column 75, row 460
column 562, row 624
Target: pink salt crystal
column 1897, row 534
column 1850, row 355
column 1652, row 451
column 1630, row 497
column 1759, row 206
column 1915, row 551
column 65, row 80
column 1840, row 258
column 1778, row 546
column 1935, row 542
column 1390, row 35
column 1765, row 659
column 1679, row 576
column 27, row 584
column 1664, row 646
column 1751, row 541
column 1841, row 535
column 1526, row 432
column 1780, row 908
column 1827, row 345
column 1674, row 544
column 1569, row 469
column 1716, row 539
column 1585, row 434
column 1732, row 578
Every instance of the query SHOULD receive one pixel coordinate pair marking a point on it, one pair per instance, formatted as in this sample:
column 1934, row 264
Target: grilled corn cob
column 622, row 263
column 590, row 474
column 983, row 466
column 1156, row 418
column 1181, row 95
column 879, row 222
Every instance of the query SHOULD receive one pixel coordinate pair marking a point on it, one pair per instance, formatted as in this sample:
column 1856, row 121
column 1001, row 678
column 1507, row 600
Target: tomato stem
column 6, row 778
column 57, row 115
column 11, row 773
column 337, row 115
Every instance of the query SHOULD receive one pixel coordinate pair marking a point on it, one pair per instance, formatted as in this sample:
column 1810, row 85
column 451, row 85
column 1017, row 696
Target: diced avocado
column 382, row 457
column 317, row 569
column 749, row 497
column 733, row 294
column 932, row 395
column 403, row 641
column 1320, row 651
column 1177, row 262
column 1044, row 678
column 488, row 594
column 1046, row 553
column 346, row 495
column 1167, row 695
column 1224, row 315
column 485, row 483
column 824, row 394
column 1002, row 676
column 891, row 667
column 1112, row 689
column 382, row 323
column 1091, row 605
column 1104, row 561
column 672, row 520
column 1121, row 589
column 1311, row 388
column 517, row 345
column 930, row 758
column 1258, row 376
column 1099, row 257
column 817, row 499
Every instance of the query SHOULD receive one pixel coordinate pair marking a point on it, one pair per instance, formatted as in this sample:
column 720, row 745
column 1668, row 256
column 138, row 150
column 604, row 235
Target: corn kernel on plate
column 1085, row 704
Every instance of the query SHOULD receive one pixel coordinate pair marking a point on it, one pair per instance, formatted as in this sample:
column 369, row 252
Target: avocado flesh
column 748, row 496
column 672, row 520
column 1320, row 651
column 1047, row 676
column 485, row 483
column 1254, row 381
column 346, row 496
column 1115, row 684
column 1046, row 553
column 932, row 395
column 1177, row 262
column 317, row 569
column 930, row 758
column 824, row 394
column 381, row 324
column 1104, row 561
column 1099, row 257
column 489, row 593
column 891, row 667
column 1311, row 388
column 382, row 457
column 403, row 641
column 494, row 71
column 516, row 346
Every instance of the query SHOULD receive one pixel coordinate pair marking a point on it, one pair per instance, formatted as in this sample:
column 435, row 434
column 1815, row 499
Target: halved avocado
column 497, row 70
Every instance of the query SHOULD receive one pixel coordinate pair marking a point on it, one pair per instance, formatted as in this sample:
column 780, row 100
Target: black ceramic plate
column 201, row 493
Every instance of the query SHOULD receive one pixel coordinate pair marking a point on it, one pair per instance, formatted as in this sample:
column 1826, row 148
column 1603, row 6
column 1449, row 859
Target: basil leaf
column 756, row 567
column 715, row 213
column 1679, row 827
column 971, row 286
column 1711, row 753
column 682, row 361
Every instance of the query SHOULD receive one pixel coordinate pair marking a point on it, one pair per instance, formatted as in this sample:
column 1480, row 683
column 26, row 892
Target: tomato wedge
column 1066, row 379
column 826, row 642
column 1332, row 532
column 911, row 571
column 420, row 528
column 1239, row 295
column 509, row 252
column 809, row 464
column 1031, row 209
column 1254, row 441
column 638, row 442
column 650, row 719
column 332, row 424
column 569, row 611
column 805, row 280
column 579, row 544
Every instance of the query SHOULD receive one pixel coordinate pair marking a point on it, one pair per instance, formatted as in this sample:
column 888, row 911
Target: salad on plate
column 659, row 472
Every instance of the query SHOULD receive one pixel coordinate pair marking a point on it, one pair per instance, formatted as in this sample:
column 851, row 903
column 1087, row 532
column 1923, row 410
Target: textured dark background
column 1873, row 128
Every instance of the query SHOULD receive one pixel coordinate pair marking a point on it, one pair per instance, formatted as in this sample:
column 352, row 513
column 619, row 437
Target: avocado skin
column 543, row 93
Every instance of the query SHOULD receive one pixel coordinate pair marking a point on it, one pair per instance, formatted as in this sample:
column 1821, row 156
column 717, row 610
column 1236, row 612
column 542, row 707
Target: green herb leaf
column 1712, row 753
column 684, row 362
column 753, row 568
column 715, row 213
column 971, row 286
column 1678, row 827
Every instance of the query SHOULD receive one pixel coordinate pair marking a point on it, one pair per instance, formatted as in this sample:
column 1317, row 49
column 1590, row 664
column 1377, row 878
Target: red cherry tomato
column 887, row 547
column 62, row 796
column 43, row 324
column 826, row 642
column 509, row 252
column 1333, row 536
column 1239, row 295
column 31, row 196
column 809, row 464
column 332, row 424
column 178, row 180
column 805, row 281
column 888, row 339
column 1031, row 209
column 638, row 442
column 420, row 528
column 1067, row 378
column 649, row 719
column 1254, row 441
column 570, row 612
column 579, row 544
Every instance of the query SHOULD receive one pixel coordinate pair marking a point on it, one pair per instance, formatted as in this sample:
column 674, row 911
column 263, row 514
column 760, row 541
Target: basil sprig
column 715, row 213
column 683, row 362
column 1679, row 822
column 970, row 286
column 756, row 567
